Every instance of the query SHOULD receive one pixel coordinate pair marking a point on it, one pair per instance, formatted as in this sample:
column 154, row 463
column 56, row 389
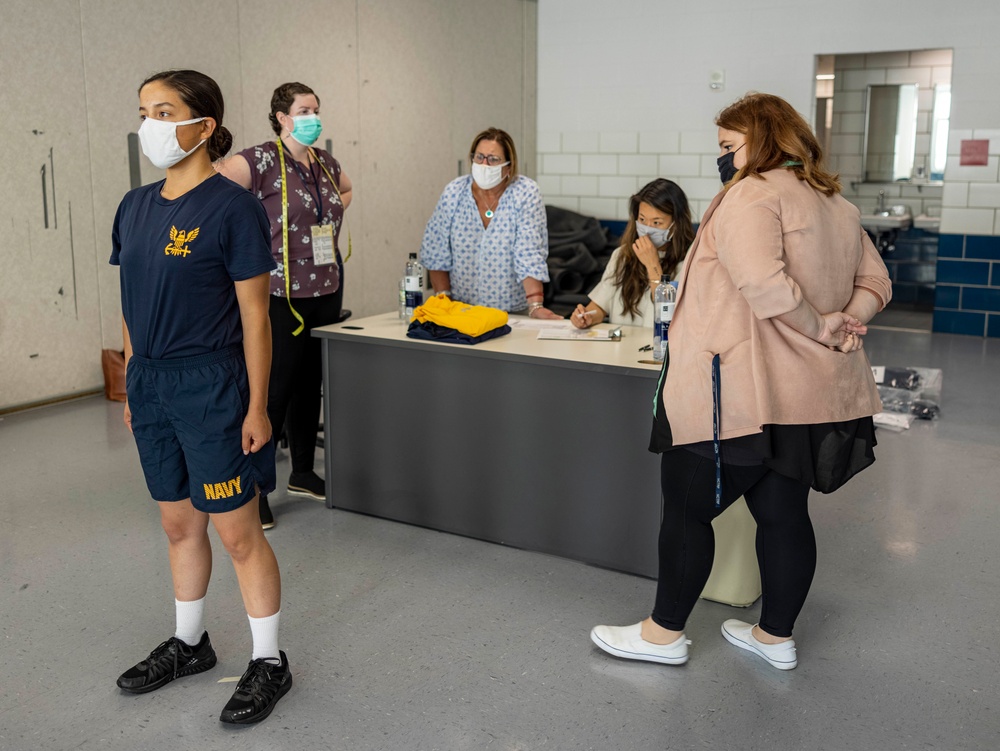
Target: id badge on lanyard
column 322, row 244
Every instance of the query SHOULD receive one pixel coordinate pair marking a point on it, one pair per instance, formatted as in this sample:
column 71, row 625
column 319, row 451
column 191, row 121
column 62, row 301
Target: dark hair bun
column 220, row 143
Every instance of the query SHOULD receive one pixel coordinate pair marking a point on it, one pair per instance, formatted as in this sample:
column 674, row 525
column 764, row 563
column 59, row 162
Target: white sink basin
column 882, row 222
column 927, row 223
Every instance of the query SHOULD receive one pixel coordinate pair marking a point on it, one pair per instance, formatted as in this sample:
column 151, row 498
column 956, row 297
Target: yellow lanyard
column 284, row 227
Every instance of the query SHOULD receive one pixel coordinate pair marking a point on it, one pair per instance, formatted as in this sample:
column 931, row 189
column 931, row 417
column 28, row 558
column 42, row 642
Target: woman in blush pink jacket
column 766, row 392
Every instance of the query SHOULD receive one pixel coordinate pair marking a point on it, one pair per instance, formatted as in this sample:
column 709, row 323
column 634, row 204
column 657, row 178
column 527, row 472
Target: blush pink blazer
column 762, row 248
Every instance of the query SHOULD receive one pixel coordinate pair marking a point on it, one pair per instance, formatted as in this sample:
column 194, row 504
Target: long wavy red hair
column 775, row 135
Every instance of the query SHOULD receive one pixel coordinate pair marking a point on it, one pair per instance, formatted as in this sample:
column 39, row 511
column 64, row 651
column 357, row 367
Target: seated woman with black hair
column 655, row 242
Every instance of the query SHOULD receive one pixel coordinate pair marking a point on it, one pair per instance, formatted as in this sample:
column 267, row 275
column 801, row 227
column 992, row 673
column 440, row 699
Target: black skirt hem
column 823, row 456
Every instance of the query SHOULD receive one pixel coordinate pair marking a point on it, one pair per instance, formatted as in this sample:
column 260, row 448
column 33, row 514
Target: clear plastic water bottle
column 664, row 300
column 413, row 285
column 402, row 299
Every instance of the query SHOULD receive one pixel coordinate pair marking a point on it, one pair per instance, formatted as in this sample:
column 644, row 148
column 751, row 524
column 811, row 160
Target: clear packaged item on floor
column 908, row 379
column 901, row 378
column 896, row 400
column 896, row 422
column 911, row 392
column 925, row 409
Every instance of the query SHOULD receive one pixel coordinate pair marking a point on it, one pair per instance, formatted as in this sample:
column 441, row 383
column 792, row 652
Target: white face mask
column 659, row 237
column 487, row 177
column 159, row 141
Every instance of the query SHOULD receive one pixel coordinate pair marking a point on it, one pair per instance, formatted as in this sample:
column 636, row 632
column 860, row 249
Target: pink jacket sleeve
column 872, row 274
column 748, row 240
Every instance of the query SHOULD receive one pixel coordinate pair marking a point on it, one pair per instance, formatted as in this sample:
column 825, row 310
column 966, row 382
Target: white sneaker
column 627, row 642
column 740, row 634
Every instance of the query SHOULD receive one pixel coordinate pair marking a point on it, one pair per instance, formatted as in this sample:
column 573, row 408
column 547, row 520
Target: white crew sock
column 265, row 636
column 190, row 617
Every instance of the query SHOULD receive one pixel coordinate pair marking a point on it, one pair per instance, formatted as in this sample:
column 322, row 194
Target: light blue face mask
column 659, row 237
column 307, row 129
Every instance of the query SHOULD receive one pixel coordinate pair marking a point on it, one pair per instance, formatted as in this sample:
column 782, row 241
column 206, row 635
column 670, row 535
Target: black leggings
column 294, row 392
column 786, row 545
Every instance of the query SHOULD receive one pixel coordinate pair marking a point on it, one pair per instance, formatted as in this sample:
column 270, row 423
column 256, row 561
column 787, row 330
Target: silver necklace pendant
column 489, row 213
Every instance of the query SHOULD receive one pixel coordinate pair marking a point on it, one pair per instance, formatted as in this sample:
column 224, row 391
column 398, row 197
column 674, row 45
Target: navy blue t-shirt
column 179, row 259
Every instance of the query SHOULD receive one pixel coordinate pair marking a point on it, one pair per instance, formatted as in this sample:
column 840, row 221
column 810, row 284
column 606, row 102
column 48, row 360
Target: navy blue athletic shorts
column 187, row 419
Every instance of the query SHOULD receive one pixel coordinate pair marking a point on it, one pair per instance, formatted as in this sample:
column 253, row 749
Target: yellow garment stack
column 473, row 320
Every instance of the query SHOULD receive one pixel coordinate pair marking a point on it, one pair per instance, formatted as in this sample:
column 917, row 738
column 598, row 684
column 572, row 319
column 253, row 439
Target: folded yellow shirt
column 474, row 320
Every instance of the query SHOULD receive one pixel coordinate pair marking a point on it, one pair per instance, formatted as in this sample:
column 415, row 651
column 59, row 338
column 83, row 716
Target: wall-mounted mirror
column 890, row 132
column 940, row 117
column 861, row 98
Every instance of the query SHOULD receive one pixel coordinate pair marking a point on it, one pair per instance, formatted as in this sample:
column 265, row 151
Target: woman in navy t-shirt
column 195, row 262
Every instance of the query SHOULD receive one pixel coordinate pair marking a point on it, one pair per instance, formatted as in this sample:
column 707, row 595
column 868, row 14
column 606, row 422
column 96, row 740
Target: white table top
column 520, row 344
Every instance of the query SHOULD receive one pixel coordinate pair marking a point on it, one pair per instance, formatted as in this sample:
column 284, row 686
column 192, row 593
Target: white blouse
column 609, row 297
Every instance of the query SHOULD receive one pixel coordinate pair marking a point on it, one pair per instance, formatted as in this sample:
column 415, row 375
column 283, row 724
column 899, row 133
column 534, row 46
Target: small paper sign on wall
column 975, row 153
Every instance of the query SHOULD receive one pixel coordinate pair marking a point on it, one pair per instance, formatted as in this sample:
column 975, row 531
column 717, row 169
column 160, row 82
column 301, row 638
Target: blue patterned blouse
column 487, row 265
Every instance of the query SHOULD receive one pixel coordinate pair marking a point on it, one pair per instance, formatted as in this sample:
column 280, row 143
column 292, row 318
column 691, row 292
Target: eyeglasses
column 491, row 160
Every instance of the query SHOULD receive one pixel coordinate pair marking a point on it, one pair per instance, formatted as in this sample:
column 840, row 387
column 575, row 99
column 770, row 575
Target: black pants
column 295, row 390
column 786, row 545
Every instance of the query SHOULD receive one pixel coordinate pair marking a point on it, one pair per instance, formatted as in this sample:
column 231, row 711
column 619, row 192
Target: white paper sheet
column 537, row 324
column 575, row 334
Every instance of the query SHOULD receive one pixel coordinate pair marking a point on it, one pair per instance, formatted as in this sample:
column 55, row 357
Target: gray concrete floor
column 404, row 638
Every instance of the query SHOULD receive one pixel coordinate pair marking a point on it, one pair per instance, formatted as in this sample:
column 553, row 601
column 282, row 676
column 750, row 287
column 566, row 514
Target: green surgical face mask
column 307, row 129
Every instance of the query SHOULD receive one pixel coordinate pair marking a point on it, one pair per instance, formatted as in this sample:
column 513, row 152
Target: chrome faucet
column 880, row 209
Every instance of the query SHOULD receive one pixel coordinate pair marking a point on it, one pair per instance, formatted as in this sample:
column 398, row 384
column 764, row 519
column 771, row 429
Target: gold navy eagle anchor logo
column 178, row 241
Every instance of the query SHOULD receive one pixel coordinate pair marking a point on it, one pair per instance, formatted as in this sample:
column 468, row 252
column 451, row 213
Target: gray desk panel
column 514, row 450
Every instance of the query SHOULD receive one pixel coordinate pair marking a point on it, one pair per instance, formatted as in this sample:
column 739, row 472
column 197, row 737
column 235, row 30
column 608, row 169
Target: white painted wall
column 623, row 85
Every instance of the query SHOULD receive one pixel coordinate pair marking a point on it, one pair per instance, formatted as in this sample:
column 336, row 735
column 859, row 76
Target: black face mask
column 727, row 170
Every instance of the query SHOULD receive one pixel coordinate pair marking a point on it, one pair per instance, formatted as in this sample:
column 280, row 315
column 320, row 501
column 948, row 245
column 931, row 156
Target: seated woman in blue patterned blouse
column 487, row 241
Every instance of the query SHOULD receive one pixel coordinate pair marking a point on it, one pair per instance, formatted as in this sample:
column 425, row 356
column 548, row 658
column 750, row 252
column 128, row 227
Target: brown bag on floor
column 113, row 365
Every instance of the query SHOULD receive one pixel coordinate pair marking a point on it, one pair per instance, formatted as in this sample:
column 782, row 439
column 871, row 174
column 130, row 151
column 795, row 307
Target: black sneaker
column 308, row 484
column 258, row 691
column 172, row 659
column 266, row 517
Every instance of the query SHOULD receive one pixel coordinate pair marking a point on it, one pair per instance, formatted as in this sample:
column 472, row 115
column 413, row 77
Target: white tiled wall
column 971, row 201
column 580, row 88
column 624, row 161
column 600, row 184
column 921, row 199
column 595, row 173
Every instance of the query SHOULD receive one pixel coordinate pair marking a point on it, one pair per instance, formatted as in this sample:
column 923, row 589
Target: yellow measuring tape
column 284, row 228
